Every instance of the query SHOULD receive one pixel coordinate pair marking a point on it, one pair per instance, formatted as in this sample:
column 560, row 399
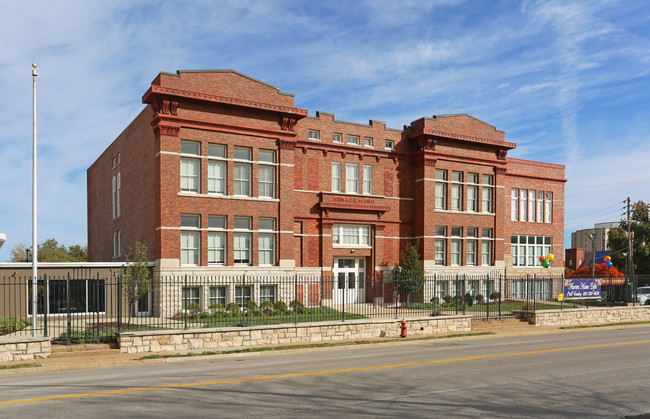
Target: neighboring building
column 222, row 174
column 583, row 238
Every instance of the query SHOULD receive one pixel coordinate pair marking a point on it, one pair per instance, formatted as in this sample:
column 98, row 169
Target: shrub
column 435, row 300
column 193, row 308
column 13, row 324
column 447, row 299
column 297, row 306
column 280, row 306
column 232, row 308
column 266, row 307
column 251, row 306
column 479, row 298
column 495, row 296
column 217, row 308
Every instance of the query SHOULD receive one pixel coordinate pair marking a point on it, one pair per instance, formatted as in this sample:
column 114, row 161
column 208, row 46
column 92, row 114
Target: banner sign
column 576, row 289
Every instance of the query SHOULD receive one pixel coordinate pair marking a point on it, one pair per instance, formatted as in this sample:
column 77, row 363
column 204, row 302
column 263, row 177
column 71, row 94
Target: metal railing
column 86, row 307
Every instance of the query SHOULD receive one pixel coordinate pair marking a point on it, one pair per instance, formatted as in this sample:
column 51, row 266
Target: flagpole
column 34, row 211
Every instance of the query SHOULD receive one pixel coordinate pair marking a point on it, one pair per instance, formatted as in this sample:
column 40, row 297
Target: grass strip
column 586, row 326
column 310, row 346
column 18, row 366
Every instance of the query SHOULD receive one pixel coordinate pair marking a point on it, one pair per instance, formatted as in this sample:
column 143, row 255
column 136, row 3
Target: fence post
column 119, row 302
column 435, row 296
column 184, row 308
column 486, row 298
column 501, row 278
column 46, row 300
column 243, row 289
column 395, row 293
column 344, row 292
column 67, row 303
column 295, row 295
column 97, row 304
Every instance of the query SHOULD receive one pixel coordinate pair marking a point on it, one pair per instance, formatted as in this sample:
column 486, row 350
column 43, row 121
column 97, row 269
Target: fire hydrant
column 402, row 326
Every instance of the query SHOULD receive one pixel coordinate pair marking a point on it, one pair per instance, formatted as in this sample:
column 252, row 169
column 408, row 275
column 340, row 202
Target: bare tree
column 136, row 278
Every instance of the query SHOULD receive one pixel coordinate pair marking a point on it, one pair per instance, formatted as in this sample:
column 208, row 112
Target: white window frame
column 548, row 208
column 351, row 178
column 314, row 134
column 456, row 251
column 337, row 137
column 266, row 249
column 119, row 194
column 531, row 205
column 472, row 198
column 367, row 180
column 190, row 295
column 540, row 206
column 218, row 295
column 440, row 250
column 190, row 253
column 514, row 204
column 216, row 182
column 114, row 196
column 389, row 145
column 523, row 205
column 336, row 176
column 266, row 187
column 242, row 249
column 368, row 142
column 242, row 179
column 353, row 140
column 268, row 293
column 471, row 252
column 217, row 254
column 190, row 179
column 354, row 234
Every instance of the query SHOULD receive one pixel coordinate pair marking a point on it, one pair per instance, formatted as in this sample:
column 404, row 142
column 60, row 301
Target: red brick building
column 222, row 173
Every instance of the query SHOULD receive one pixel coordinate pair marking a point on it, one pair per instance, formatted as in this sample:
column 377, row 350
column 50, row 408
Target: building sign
column 577, row 289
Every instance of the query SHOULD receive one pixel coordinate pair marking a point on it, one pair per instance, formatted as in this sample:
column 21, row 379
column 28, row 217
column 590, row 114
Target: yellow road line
column 306, row 374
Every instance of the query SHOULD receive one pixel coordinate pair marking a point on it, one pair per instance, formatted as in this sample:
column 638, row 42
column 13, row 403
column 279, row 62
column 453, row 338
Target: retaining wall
column 24, row 348
column 237, row 338
column 586, row 316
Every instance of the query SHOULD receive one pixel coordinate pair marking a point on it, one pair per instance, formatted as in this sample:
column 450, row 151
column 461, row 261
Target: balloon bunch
column 607, row 263
column 546, row 260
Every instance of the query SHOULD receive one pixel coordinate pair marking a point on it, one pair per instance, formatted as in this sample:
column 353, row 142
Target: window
column 266, row 249
column 216, row 221
column 456, row 191
column 486, row 247
column 548, row 208
column 351, row 235
column 242, row 295
column 336, row 177
column 119, row 243
column 190, row 243
column 441, row 231
column 514, row 204
column 114, row 196
column 486, row 194
column 242, row 179
column 267, row 293
column 243, row 223
column 389, row 145
column 242, row 153
column 353, row 139
column 440, row 252
column 190, row 220
column 526, row 250
column 523, row 194
column 314, row 134
column 337, row 138
column 217, row 150
column 455, row 252
column 190, row 175
column 267, row 224
column 217, row 177
column 267, row 181
column 191, row 295
column 242, row 244
column 114, row 244
column 531, row 206
column 367, row 141
column 216, row 248
column 351, row 178
column 217, row 297
column 441, row 189
column 441, row 289
column 267, row 156
column 191, row 147
column 367, row 180
column 472, row 195
column 119, row 194
column 540, row 206
column 118, row 158
column 471, row 246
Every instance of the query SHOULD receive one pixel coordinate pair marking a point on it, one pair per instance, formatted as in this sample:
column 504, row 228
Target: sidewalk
column 103, row 355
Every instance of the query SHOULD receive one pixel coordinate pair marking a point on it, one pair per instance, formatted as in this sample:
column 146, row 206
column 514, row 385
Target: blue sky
column 568, row 81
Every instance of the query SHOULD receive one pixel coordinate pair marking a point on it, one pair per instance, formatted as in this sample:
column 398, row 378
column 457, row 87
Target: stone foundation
column 24, row 348
column 216, row 339
column 587, row 316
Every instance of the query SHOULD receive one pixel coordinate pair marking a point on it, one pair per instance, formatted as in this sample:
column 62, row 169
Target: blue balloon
column 608, row 264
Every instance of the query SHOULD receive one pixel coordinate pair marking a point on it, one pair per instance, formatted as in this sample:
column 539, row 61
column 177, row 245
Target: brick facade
column 234, row 110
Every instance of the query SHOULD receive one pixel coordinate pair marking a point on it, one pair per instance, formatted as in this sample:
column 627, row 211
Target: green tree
column 136, row 278
column 50, row 251
column 408, row 277
column 618, row 242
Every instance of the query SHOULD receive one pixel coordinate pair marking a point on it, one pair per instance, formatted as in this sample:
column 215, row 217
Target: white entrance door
column 349, row 280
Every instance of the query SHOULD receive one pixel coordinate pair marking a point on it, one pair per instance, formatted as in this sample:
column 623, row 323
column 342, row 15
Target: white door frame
column 349, row 280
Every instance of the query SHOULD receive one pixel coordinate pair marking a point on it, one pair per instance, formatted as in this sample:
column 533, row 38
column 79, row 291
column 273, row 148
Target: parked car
column 643, row 295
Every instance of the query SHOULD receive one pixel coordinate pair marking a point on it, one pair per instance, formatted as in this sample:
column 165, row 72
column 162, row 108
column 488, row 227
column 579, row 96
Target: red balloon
column 603, row 266
column 542, row 259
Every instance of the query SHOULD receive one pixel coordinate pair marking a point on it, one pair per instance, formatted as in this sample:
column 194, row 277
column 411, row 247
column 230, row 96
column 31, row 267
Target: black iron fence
column 85, row 307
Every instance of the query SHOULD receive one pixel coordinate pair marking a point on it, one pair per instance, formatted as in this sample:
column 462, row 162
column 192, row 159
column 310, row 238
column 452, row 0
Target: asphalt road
column 586, row 373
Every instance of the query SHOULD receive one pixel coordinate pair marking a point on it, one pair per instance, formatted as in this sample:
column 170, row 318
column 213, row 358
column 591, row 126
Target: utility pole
column 34, row 210
column 630, row 250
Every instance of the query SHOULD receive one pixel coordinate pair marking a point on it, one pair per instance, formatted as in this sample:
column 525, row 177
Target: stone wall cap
column 22, row 339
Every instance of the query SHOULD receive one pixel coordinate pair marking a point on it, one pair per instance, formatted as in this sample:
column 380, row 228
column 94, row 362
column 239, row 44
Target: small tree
column 409, row 276
column 136, row 280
